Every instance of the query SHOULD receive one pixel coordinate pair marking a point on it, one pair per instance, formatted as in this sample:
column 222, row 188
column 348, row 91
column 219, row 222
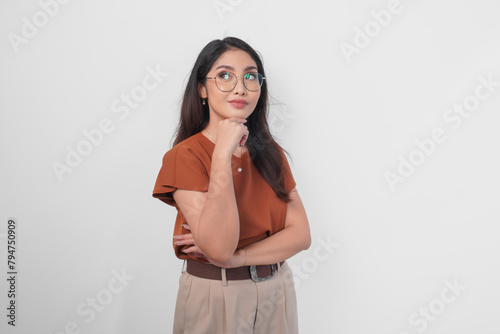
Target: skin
column 213, row 216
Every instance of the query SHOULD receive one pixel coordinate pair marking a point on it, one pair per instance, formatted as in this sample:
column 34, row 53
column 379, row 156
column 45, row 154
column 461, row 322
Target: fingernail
column 185, row 251
column 185, row 226
column 176, row 243
column 177, row 236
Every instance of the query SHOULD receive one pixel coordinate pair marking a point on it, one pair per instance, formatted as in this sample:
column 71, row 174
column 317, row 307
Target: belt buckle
column 256, row 278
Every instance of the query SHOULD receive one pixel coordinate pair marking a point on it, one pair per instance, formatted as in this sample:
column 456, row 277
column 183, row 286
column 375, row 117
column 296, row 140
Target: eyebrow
column 232, row 68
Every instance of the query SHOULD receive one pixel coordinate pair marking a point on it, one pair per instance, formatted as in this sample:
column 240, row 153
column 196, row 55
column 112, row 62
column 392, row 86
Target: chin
column 239, row 113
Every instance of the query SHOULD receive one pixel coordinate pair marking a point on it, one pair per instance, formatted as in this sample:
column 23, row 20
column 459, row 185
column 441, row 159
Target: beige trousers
column 207, row 306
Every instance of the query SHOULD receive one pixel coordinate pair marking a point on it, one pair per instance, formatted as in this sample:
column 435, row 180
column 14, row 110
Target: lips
column 238, row 103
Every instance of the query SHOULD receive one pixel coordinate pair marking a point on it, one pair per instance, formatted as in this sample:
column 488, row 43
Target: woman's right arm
column 213, row 216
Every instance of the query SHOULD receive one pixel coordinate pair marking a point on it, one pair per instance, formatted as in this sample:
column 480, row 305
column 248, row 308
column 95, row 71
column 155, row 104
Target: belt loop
column 183, row 269
column 224, row 280
column 279, row 266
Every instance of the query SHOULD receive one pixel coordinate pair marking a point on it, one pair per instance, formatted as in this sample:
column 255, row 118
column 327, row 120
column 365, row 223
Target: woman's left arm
column 282, row 245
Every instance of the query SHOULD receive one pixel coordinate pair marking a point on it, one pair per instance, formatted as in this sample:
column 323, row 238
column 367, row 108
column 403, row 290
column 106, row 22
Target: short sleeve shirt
column 187, row 166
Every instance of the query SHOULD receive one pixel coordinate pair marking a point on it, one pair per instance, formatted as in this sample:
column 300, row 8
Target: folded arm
column 278, row 247
column 213, row 215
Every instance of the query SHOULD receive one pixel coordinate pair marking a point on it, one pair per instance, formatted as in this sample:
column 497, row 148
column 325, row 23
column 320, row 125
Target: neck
column 211, row 134
column 213, row 124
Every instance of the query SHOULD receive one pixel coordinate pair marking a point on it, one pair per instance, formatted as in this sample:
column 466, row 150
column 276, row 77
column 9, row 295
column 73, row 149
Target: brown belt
column 256, row 273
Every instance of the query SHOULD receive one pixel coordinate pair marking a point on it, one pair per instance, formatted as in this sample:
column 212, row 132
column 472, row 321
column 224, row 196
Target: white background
column 379, row 256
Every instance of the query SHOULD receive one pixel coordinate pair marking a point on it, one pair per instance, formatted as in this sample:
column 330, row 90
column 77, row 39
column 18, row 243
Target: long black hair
column 263, row 149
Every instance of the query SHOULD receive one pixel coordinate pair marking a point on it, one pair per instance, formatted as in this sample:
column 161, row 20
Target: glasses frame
column 236, row 82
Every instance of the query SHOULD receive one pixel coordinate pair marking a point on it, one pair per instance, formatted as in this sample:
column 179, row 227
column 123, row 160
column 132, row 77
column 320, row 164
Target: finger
column 243, row 140
column 198, row 250
column 183, row 242
column 183, row 236
column 189, row 239
column 190, row 249
column 184, row 239
column 193, row 249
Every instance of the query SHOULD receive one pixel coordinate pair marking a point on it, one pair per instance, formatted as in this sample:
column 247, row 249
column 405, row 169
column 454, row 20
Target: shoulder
column 188, row 150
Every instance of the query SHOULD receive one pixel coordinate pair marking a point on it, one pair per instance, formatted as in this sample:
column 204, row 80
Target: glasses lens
column 253, row 81
column 225, row 81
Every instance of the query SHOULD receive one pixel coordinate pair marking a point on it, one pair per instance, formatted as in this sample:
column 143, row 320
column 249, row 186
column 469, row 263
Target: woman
column 239, row 216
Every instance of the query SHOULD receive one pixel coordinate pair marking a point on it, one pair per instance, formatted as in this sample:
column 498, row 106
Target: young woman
column 239, row 216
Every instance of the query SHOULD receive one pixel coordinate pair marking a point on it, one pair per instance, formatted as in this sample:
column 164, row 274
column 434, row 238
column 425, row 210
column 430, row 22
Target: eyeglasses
column 226, row 81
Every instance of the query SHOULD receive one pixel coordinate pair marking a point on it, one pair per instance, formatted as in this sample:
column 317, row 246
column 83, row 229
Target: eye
column 226, row 76
column 251, row 76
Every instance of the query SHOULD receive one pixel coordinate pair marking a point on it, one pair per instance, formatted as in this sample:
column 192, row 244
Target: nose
column 240, row 86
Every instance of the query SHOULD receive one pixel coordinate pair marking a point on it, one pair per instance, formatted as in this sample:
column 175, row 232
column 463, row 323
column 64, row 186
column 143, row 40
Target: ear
column 202, row 91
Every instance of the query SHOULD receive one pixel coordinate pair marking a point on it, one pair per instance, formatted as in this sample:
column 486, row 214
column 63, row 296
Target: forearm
column 277, row 247
column 219, row 225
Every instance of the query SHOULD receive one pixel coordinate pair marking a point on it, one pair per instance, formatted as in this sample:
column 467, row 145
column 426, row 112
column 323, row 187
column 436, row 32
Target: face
column 238, row 102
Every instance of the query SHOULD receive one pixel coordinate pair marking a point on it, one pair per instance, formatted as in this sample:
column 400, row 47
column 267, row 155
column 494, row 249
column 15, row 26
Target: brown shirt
column 187, row 166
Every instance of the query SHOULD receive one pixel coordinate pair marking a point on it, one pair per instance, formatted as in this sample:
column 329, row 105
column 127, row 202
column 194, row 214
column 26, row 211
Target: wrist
column 244, row 256
column 222, row 156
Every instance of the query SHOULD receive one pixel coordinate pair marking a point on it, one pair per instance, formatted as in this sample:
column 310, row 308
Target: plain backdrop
column 390, row 113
